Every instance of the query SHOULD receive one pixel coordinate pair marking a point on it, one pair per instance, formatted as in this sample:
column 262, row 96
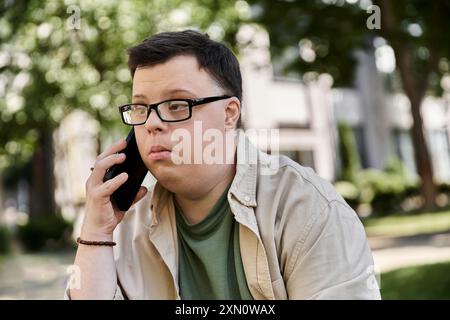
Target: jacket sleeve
column 332, row 258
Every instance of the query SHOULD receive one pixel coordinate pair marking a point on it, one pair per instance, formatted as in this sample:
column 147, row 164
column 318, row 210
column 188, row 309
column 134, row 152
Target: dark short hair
column 214, row 57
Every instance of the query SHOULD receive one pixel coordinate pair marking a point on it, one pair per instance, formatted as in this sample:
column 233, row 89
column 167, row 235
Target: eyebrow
column 168, row 92
column 179, row 90
column 139, row 96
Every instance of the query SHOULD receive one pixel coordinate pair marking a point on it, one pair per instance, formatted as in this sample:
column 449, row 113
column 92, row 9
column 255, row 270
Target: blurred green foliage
column 408, row 224
column 384, row 189
column 51, row 232
column 427, row 282
column 5, row 240
column 348, row 151
column 334, row 29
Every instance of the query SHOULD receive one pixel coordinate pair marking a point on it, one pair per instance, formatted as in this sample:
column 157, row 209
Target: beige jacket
column 298, row 237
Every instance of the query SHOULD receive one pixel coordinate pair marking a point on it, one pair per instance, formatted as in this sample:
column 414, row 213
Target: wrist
column 95, row 235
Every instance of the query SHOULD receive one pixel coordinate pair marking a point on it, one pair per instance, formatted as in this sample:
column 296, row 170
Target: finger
column 108, row 188
column 141, row 193
column 118, row 146
column 101, row 166
column 119, row 215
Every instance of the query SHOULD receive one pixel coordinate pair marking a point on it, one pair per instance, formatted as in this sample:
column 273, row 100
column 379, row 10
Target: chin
column 166, row 173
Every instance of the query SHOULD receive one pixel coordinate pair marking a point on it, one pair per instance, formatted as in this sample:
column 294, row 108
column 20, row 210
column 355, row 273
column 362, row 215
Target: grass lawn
column 408, row 224
column 419, row 282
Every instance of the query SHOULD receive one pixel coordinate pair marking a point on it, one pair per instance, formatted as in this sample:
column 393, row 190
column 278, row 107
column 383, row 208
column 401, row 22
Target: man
column 220, row 230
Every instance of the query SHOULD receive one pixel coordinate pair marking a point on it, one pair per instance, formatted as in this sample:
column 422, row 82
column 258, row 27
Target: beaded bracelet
column 96, row 243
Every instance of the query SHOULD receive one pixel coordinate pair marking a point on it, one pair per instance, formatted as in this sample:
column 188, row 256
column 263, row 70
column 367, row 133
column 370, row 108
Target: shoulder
column 305, row 212
column 296, row 181
column 300, row 203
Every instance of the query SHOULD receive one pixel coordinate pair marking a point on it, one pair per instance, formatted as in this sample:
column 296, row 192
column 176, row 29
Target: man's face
column 180, row 78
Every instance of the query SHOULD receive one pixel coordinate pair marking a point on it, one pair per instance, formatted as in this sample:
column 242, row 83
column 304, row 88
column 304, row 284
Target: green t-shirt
column 210, row 265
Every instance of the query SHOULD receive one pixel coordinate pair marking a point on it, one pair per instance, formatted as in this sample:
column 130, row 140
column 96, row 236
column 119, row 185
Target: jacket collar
column 243, row 186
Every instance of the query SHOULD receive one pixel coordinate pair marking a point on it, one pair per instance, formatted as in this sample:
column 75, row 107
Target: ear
column 232, row 113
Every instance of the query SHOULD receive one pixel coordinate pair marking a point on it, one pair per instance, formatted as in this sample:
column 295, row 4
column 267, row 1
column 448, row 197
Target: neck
column 196, row 209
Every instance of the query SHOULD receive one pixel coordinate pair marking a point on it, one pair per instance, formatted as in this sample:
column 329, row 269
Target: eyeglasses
column 174, row 110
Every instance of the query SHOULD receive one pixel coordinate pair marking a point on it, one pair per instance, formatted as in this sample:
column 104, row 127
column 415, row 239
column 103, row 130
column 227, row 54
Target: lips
column 159, row 153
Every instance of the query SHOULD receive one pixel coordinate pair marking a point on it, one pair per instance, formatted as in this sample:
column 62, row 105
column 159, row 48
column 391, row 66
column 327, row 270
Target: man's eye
column 138, row 109
column 177, row 106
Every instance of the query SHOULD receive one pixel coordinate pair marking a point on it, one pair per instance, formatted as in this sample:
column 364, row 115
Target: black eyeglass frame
column 191, row 103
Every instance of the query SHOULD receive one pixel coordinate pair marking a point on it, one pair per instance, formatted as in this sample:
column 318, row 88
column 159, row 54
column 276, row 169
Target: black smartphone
column 123, row 197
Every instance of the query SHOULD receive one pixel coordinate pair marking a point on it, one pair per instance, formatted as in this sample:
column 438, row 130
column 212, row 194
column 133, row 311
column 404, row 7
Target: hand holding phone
column 101, row 215
column 133, row 165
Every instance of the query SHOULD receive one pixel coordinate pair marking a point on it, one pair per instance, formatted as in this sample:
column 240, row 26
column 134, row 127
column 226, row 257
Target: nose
column 154, row 123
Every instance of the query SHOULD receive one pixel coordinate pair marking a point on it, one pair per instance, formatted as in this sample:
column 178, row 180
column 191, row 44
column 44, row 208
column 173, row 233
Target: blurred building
column 304, row 114
column 307, row 114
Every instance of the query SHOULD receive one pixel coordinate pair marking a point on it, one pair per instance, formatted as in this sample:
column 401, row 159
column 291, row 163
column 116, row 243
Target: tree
column 56, row 56
column 330, row 31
